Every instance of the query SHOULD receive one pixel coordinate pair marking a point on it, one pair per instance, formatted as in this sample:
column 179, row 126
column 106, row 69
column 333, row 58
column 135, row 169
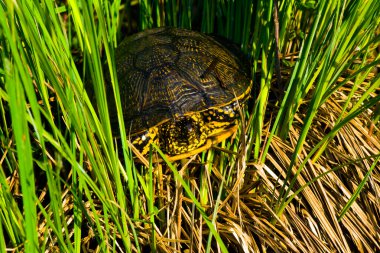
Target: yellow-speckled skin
column 178, row 88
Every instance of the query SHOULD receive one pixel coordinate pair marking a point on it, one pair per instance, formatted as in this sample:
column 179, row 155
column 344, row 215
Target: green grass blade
column 355, row 195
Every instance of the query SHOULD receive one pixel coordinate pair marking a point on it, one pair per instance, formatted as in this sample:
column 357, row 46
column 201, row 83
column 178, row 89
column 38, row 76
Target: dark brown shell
column 168, row 72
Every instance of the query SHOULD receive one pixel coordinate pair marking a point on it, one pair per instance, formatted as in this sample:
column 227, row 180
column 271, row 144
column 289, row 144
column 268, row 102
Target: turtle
column 179, row 89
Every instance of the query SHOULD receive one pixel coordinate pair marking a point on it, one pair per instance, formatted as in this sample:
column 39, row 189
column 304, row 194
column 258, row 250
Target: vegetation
column 301, row 174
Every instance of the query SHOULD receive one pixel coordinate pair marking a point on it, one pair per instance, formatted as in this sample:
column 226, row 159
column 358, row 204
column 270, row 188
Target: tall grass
column 69, row 181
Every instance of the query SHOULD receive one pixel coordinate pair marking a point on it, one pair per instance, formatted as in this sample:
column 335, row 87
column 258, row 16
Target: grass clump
column 301, row 174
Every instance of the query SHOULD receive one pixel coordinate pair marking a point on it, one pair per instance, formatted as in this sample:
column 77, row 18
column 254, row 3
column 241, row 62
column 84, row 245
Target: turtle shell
column 165, row 73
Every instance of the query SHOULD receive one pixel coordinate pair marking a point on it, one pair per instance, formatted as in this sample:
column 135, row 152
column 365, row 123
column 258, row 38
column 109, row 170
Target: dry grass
column 313, row 215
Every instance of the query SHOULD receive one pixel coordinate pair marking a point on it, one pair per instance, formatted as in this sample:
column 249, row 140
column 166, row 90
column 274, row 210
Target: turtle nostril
column 190, row 128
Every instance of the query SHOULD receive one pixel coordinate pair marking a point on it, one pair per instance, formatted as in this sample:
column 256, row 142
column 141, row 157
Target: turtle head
column 182, row 134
